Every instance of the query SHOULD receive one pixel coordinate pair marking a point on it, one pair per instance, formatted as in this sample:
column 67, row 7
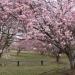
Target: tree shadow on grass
column 60, row 62
column 54, row 72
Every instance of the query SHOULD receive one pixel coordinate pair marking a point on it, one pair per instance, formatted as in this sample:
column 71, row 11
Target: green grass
column 30, row 65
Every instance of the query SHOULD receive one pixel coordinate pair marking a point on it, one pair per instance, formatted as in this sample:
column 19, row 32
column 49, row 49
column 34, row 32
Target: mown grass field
column 30, row 65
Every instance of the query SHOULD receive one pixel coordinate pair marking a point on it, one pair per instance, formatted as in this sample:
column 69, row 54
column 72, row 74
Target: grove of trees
column 52, row 22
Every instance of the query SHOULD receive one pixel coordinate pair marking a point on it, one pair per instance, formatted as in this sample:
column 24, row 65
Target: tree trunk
column 71, row 57
column 0, row 54
column 57, row 58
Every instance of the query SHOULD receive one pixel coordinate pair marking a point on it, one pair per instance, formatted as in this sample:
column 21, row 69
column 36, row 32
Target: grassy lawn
column 30, row 65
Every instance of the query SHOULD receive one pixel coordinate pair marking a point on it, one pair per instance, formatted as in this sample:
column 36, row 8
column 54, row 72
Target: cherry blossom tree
column 53, row 19
column 10, row 24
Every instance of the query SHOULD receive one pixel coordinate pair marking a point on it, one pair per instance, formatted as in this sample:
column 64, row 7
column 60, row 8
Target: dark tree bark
column 1, row 54
column 71, row 57
column 57, row 58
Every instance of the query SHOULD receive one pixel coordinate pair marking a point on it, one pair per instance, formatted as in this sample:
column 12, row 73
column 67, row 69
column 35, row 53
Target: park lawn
column 30, row 65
